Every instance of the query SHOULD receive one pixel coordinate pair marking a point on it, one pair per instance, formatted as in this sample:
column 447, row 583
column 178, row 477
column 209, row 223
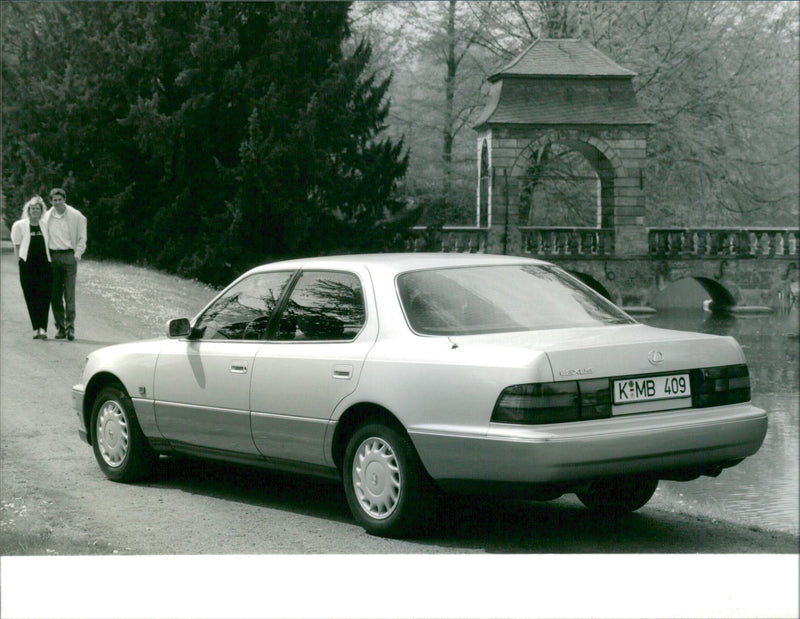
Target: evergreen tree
column 202, row 138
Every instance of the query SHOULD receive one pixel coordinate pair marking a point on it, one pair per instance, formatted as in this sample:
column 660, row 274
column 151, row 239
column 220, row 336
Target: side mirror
column 178, row 327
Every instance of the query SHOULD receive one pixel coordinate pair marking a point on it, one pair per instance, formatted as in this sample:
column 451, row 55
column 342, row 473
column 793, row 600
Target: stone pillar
column 618, row 156
column 504, row 235
column 629, row 194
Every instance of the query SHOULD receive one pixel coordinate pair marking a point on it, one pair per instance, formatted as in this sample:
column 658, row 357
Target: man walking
column 67, row 234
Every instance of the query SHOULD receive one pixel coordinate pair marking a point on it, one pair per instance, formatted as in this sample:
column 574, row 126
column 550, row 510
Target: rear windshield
column 492, row 299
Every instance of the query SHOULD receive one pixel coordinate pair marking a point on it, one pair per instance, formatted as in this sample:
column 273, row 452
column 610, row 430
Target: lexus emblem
column 655, row 357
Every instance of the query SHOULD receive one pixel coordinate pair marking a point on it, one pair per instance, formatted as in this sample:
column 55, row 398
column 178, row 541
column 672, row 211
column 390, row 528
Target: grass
column 142, row 298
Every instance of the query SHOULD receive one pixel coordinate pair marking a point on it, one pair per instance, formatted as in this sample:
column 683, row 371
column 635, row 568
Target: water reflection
column 762, row 490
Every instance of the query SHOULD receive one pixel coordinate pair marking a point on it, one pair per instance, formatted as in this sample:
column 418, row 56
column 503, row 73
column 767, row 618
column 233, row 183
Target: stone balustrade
column 455, row 239
column 734, row 242
column 575, row 242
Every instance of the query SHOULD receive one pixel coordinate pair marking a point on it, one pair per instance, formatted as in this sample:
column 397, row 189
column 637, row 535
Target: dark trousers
column 65, row 270
column 35, row 280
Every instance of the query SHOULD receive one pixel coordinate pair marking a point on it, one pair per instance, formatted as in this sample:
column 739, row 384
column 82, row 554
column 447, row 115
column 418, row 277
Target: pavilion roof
column 562, row 82
column 562, row 58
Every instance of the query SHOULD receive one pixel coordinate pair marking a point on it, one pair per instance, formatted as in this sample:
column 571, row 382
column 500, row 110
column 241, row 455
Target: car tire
column 618, row 496
column 119, row 445
column 386, row 486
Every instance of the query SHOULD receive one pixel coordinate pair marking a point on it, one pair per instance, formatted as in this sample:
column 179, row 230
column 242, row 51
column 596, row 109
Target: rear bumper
column 656, row 444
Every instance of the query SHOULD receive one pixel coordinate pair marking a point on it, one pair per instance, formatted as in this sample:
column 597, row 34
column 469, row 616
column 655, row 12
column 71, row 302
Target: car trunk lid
column 620, row 350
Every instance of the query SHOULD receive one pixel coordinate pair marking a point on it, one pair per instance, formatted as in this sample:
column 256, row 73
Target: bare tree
column 719, row 78
column 441, row 69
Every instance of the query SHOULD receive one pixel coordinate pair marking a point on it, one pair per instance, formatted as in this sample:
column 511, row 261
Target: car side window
column 324, row 305
column 244, row 311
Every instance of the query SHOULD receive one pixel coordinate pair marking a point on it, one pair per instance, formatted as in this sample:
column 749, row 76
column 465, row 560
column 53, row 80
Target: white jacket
column 76, row 222
column 21, row 236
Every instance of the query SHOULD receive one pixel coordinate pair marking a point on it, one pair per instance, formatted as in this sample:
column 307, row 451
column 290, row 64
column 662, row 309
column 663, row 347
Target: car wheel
column 619, row 495
column 384, row 481
column 120, row 448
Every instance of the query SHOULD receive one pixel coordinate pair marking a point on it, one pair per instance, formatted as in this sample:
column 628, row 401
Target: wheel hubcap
column 376, row 478
column 112, row 433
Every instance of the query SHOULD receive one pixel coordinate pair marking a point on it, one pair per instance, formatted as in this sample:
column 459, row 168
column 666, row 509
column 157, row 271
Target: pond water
column 763, row 490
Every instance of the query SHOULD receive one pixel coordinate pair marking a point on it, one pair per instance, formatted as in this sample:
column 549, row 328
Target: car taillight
column 576, row 400
column 727, row 384
column 595, row 398
column 538, row 403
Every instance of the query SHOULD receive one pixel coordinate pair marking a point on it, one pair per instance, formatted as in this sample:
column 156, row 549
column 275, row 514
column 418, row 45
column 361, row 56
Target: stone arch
column 604, row 160
column 721, row 297
column 592, row 283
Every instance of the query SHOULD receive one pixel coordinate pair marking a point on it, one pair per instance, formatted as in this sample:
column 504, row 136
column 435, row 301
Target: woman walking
column 29, row 236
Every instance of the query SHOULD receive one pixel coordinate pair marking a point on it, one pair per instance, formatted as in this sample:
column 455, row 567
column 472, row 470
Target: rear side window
column 492, row 299
column 323, row 306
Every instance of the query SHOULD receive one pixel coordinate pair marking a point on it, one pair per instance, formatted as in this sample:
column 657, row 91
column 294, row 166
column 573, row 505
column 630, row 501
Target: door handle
column 343, row 372
column 239, row 367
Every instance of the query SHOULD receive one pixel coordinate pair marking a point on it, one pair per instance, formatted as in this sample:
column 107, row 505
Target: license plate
column 651, row 388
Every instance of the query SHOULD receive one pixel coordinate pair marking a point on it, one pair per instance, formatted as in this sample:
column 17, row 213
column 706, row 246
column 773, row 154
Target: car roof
column 398, row 262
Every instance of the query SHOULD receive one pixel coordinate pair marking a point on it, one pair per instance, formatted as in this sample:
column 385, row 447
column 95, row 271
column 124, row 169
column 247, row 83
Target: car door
column 202, row 382
column 313, row 361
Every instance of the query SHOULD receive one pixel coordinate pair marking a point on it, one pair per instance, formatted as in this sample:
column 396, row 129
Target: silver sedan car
column 408, row 376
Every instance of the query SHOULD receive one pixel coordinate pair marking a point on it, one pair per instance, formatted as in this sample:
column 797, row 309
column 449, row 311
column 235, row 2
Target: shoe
column 70, row 335
column 42, row 334
column 36, row 335
column 60, row 335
